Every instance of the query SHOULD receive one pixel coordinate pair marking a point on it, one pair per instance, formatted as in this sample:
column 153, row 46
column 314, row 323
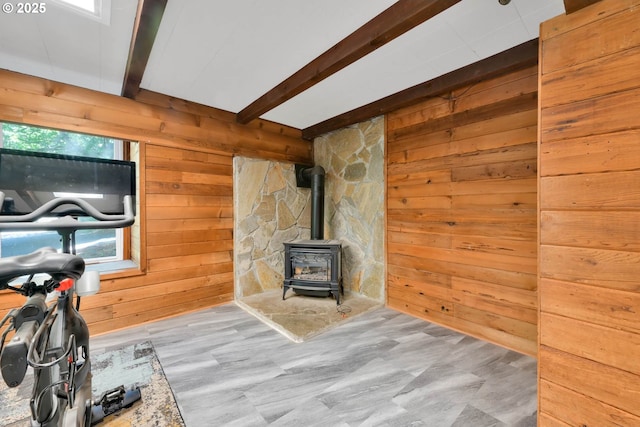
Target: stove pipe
column 313, row 177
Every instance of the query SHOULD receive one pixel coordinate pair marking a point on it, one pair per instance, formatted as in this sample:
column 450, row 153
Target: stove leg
column 284, row 291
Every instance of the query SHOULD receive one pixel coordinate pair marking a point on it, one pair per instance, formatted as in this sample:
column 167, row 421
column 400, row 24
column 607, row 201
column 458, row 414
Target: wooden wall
column 589, row 355
column 461, row 203
column 186, row 216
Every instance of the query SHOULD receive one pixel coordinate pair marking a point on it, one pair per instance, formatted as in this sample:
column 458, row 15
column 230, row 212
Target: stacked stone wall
column 353, row 159
column 269, row 210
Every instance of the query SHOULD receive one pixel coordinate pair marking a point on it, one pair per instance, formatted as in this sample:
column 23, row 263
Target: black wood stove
column 313, row 267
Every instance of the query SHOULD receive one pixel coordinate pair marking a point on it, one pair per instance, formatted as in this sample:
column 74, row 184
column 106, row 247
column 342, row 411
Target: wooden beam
column 571, row 6
column 516, row 58
column 144, row 34
column 399, row 18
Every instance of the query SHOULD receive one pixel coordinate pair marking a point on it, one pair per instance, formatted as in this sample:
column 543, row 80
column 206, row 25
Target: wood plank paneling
column 612, row 190
column 186, row 191
column 603, row 344
column 461, row 210
column 603, row 383
column 42, row 102
column 595, row 304
column 589, row 266
column 588, row 41
column 591, row 154
column 573, row 407
column 615, row 230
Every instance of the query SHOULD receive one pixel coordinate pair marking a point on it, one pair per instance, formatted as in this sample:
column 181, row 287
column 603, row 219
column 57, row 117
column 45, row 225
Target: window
column 98, row 10
column 95, row 246
column 86, row 5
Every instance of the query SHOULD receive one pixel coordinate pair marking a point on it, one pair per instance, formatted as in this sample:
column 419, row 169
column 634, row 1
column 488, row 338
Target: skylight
column 100, row 10
column 86, row 5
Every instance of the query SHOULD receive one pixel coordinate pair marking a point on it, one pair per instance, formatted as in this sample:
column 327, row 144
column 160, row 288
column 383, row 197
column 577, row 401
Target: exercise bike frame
column 58, row 336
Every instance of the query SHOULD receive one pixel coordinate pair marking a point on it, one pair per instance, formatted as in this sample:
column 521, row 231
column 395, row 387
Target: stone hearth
column 301, row 317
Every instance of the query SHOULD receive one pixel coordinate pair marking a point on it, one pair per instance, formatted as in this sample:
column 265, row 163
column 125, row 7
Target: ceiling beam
column 516, row 58
column 145, row 28
column 399, row 18
column 571, row 6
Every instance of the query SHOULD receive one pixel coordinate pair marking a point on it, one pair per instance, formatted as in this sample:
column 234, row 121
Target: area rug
column 132, row 366
column 301, row 317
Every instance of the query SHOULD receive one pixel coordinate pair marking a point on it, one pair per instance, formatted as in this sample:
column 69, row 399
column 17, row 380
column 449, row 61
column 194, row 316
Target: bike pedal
column 113, row 401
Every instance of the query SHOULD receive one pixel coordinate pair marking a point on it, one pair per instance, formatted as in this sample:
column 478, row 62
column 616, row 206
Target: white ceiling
column 67, row 46
column 228, row 53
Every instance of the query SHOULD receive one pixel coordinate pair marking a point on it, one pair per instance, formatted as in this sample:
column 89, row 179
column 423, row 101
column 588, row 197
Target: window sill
column 116, row 269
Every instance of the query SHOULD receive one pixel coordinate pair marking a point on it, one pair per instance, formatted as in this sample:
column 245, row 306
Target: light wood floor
column 382, row 368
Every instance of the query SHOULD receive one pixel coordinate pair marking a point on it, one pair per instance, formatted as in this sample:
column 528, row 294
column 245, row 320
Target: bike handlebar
column 28, row 222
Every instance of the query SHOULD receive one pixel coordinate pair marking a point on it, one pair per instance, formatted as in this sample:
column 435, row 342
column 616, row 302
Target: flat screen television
column 30, row 179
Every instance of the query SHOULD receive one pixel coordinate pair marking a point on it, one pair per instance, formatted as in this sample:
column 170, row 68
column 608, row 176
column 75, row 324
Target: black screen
column 29, row 179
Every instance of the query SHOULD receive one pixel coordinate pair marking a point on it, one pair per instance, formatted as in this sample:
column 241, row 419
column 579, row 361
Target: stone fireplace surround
column 269, row 210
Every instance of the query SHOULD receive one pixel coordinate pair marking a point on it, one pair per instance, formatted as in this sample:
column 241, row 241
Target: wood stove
column 313, row 267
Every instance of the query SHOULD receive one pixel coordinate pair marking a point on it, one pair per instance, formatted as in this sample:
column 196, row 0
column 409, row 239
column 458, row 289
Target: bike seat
column 46, row 260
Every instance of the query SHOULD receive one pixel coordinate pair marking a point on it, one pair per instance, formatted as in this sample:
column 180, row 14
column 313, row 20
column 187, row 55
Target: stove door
column 311, row 265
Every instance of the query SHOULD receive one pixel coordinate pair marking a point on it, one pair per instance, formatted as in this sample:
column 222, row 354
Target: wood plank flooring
column 382, row 368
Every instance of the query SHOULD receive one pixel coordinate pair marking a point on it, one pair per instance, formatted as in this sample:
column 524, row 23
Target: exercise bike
column 53, row 338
